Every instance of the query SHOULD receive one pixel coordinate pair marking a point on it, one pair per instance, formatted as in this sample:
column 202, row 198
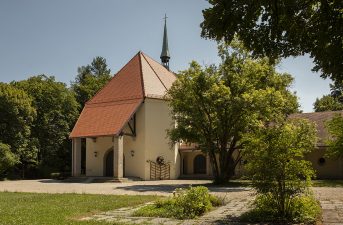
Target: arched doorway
column 199, row 164
column 109, row 163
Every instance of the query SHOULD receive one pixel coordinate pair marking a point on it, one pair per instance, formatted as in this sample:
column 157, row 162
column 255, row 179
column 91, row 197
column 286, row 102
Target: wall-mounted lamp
column 94, row 139
column 132, row 153
column 95, row 154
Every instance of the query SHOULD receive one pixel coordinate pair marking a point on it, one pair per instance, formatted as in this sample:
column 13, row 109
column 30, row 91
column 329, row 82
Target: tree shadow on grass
column 169, row 188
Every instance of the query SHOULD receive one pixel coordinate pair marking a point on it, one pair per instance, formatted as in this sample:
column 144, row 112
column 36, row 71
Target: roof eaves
column 133, row 113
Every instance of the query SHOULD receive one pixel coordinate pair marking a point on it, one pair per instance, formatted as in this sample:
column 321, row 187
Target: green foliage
column 333, row 101
column 327, row 103
column 186, row 204
column 303, row 209
column 282, row 28
column 192, row 202
column 90, row 79
column 7, row 158
column 16, row 117
column 276, row 165
column 57, row 111
column 214, row 106
column 335, row 141
column 57, row 209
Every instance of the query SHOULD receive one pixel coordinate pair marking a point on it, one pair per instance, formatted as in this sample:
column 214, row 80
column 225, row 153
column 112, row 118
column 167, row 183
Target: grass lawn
column 327, row 183
column 47, row 209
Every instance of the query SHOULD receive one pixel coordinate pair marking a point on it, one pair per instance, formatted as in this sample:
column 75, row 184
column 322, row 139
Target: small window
column 321, row 161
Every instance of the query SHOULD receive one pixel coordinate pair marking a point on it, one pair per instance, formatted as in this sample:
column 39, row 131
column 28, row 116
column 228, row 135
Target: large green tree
column 90, row 79
column 57, row 111
column 282, row 28
column 16, row 117
column 214, row 106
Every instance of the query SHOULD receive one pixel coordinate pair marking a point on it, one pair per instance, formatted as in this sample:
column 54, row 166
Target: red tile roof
column 111, row 108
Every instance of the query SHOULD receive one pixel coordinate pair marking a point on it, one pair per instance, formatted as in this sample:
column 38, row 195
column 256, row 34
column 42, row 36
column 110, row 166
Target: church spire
column 165, row 56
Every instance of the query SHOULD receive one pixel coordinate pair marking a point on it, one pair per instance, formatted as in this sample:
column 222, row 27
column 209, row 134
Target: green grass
column 327, row 183
column 50, row 209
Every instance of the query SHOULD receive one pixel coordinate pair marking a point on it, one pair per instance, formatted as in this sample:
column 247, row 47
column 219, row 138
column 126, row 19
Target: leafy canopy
column 16, row 116
column 57, row 111
column 282, row 28
column 214, row 106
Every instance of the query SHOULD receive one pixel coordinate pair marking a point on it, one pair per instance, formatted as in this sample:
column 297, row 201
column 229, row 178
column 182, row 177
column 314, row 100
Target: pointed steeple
column 165, row 56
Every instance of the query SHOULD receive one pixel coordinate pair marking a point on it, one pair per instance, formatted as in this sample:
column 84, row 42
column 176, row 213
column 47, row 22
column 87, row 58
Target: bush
column 276, row 163
column 185, row 204
column 7, row 158
column 303, row 209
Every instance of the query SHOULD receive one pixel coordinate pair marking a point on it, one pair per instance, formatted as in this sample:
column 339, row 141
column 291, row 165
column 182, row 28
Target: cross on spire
column 165, row 56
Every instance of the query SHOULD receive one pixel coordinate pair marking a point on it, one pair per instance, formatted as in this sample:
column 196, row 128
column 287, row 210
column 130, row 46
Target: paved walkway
column 227, row 214
column 164, row 187
column 331, row 199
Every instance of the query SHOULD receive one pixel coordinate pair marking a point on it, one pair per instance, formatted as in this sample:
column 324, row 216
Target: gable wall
column 157, row 121
column 134, row 165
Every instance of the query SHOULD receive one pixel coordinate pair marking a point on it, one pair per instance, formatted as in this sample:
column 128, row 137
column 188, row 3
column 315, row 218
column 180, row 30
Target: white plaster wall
column 157, row 121
column 134, row 165
column 95, row 165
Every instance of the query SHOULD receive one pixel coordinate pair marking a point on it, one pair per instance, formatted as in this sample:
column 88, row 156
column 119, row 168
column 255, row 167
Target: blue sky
column 55, row 37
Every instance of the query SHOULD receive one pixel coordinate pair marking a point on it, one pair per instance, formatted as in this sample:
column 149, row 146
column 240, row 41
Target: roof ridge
column 141, row 72
column 155, row 73
column 114, row 76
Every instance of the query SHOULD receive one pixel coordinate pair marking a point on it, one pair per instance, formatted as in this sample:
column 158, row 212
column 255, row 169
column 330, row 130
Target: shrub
column 185, row 204
column 192, row 202
column 276, row 164
column 304, row 209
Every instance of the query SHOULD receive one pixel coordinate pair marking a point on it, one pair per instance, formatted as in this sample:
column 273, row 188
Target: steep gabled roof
column 112, row 107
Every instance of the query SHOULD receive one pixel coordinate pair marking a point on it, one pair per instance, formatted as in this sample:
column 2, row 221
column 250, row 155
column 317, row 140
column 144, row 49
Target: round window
column 321, row 161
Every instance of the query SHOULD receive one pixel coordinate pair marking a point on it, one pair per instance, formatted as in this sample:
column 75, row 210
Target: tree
column 331, row 102
column 335, row 141
column 16, row 117
column 90, row 79
column 57, row 111
column 276, row 165
column 282, row 28
column 7, row 158
column 327, row 103
column 214, row 106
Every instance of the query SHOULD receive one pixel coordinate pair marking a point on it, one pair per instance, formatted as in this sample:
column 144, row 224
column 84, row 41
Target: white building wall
column 157, row 121
column 95, row 164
